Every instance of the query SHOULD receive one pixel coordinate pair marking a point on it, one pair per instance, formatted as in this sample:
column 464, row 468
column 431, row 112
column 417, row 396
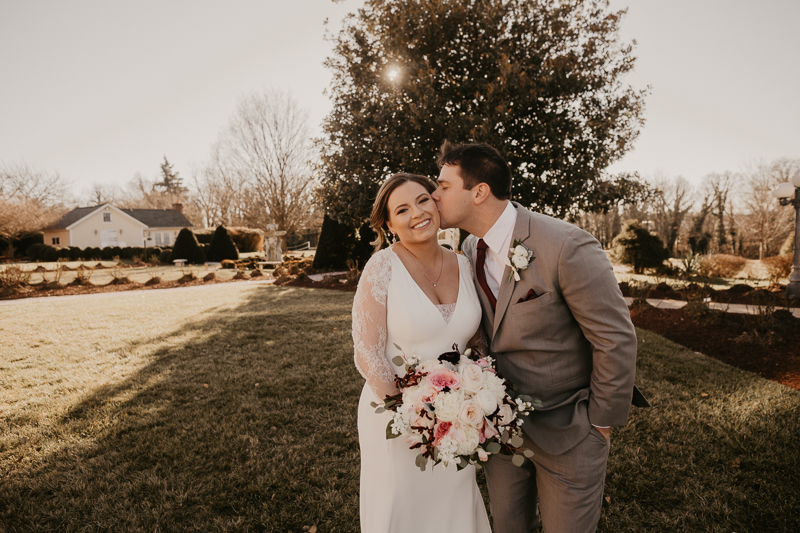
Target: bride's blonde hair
column 380, row 212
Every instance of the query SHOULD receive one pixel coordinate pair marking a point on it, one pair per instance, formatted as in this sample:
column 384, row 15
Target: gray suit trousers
column 569, row 487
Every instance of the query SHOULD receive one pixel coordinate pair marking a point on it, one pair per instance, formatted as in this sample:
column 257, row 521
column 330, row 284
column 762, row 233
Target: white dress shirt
column 498, row 239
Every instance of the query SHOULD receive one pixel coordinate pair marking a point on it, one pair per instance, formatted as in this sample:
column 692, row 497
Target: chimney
column 178, row 208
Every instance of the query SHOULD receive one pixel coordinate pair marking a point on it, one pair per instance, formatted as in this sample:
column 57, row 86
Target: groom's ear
column 480, row 193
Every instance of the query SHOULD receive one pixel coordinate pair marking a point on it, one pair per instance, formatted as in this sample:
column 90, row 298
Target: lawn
column 232, row 408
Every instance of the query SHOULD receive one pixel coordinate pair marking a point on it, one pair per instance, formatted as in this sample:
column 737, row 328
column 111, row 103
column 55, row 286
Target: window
column 106, row 217
column 162, row 238
column 56, row 240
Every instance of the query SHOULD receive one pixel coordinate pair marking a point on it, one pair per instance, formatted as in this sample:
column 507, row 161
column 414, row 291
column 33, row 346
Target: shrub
column 49, row 254
column 721, row 265
column 187, row 247
column 92, row 253
column 204, row 235
column 75, row 253
column 638, row 247
column 247, row 239
column 222, row 246
column 165, row 257
column 339, row 242
column 779, row 266
column 152, row 253
column 34, row 251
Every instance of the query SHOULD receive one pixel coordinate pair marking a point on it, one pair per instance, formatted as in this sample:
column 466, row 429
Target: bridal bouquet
column 456, row 410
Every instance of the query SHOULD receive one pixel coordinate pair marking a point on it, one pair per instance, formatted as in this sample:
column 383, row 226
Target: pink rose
column 483, row 363
column 441, row 431
column 439, row 379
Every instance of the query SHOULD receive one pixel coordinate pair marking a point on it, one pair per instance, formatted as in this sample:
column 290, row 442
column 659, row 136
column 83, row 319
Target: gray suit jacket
column 573, row 347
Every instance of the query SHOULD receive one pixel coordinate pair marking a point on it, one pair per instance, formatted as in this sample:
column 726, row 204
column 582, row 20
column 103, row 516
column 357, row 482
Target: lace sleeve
column 369, row 325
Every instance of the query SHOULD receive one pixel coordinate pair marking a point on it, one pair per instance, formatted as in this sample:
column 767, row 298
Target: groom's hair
column 480, row 163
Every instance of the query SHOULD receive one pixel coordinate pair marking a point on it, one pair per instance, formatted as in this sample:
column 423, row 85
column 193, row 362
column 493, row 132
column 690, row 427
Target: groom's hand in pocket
column 605, row 432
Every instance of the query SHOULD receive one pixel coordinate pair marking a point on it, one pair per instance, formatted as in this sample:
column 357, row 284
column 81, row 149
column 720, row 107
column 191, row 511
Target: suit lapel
column 521, row 233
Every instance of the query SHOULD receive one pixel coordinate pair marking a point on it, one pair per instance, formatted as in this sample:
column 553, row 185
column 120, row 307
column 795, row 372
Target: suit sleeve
column 591, row 291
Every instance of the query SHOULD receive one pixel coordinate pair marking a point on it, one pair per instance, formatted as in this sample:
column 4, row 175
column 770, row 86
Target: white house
column 105, row 225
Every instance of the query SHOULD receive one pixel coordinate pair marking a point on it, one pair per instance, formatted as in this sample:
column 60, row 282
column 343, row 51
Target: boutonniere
column 519, row 257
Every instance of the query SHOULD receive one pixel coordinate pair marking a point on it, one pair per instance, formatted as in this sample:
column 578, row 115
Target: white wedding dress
column 390, row 308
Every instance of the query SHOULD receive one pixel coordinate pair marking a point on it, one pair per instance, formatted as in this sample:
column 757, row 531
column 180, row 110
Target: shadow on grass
column 248, row 426
column 718, row 451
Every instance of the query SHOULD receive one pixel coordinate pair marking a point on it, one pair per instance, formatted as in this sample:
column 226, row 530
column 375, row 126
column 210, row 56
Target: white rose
column 482, row 455
column 487, row 400
column 505, row 415
column 469, row 441
column 412, row 397
column 496, row 385
column 520, row 261
column 471, row 414
column 471, row 378
column 447, row 406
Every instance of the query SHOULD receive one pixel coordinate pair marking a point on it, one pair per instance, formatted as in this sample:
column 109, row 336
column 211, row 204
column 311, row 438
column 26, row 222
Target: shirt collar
column 502, row 229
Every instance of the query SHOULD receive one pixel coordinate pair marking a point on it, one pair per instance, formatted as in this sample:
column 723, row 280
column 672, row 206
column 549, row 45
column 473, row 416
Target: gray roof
column 159, row 218
column 73, row 216
column 152, row 218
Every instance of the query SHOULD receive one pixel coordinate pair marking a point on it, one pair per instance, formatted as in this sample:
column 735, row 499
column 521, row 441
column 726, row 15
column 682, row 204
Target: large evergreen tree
column 541, row 80
column 171, row 182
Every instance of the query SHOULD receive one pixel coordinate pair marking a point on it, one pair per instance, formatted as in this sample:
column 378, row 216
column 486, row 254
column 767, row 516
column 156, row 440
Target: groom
column 562, row 332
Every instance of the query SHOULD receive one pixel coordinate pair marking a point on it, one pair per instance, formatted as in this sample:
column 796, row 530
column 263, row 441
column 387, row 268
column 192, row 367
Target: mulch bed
column 732, row 338
column 37, row 291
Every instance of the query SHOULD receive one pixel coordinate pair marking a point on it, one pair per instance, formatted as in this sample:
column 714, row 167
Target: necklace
column 441, row 265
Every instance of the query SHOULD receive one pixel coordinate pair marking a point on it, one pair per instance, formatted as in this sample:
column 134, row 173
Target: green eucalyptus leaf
column 528, row 453
column 493, row 447
column 396, row 346
column 398, row 360
column 515, row 441
column 504, row 437
column 518, row 460
column 380, row 410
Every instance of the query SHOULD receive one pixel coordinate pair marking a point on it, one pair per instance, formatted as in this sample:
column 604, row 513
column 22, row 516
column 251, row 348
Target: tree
column 171, row 183
column 718, row 188
column 539, row 80
column 222, row 246
column 638, row 247
column 764, row 224
column 671, row 204
column 30, row 199
column 267, row 148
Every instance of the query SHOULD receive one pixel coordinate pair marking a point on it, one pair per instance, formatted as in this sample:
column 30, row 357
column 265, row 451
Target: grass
column 233, row 408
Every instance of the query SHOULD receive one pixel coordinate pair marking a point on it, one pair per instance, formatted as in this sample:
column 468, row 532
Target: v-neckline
column 424, row 293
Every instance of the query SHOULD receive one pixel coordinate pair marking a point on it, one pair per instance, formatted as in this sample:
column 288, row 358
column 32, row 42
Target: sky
column 99, row 91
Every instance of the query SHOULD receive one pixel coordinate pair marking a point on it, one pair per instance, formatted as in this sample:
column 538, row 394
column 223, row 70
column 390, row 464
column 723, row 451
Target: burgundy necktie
column 480, row 262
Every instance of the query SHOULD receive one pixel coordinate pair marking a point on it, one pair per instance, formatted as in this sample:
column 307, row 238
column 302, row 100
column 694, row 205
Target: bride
column 420, row 297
